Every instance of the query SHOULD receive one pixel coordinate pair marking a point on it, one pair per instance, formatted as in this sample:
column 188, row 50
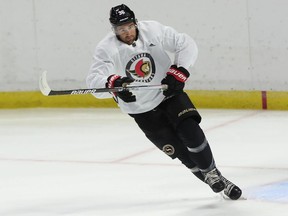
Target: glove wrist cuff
column 111, row 80
column 180, row 74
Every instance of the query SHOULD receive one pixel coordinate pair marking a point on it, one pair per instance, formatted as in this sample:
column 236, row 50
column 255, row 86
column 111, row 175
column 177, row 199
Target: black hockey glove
column 118, row 81
column 175, row 79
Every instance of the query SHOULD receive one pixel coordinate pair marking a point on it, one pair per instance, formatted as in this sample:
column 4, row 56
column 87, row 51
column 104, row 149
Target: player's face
column 127, row 32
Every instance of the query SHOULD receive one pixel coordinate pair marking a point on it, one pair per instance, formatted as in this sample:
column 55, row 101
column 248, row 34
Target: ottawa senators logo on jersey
column 141, row 68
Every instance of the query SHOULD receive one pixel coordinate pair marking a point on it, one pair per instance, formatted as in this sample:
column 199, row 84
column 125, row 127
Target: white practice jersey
column 147, row 61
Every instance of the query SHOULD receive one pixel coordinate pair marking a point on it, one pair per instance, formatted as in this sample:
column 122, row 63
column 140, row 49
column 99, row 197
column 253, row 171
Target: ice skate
column 231, row 190
column 214, row 180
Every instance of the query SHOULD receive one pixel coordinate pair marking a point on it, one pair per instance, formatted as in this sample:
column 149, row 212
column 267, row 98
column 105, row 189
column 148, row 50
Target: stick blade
column 43, row 85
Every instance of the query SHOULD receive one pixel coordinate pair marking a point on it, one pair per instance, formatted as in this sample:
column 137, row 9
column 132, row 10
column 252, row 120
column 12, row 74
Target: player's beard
column 129, row 39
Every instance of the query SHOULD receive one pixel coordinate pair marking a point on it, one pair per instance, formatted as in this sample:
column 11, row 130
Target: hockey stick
column 46, row 90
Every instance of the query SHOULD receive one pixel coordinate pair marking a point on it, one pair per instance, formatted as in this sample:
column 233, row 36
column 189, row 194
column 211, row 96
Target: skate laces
column 212, row 177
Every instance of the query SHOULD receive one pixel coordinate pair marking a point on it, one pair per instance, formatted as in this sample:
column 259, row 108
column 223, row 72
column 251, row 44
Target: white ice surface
column 84, row 162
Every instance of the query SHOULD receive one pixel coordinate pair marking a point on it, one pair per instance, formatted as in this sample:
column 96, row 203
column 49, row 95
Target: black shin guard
column 194, row 139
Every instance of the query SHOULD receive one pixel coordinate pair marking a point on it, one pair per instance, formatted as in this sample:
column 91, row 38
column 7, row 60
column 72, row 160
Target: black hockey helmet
column 121, row 14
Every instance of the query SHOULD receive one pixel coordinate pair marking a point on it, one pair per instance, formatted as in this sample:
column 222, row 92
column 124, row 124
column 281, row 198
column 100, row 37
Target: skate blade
column 225, row 197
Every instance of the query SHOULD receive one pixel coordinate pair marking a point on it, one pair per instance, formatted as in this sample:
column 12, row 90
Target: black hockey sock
column 194, row 139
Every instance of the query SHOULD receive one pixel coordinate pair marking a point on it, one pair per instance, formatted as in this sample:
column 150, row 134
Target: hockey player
column 138, row 52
